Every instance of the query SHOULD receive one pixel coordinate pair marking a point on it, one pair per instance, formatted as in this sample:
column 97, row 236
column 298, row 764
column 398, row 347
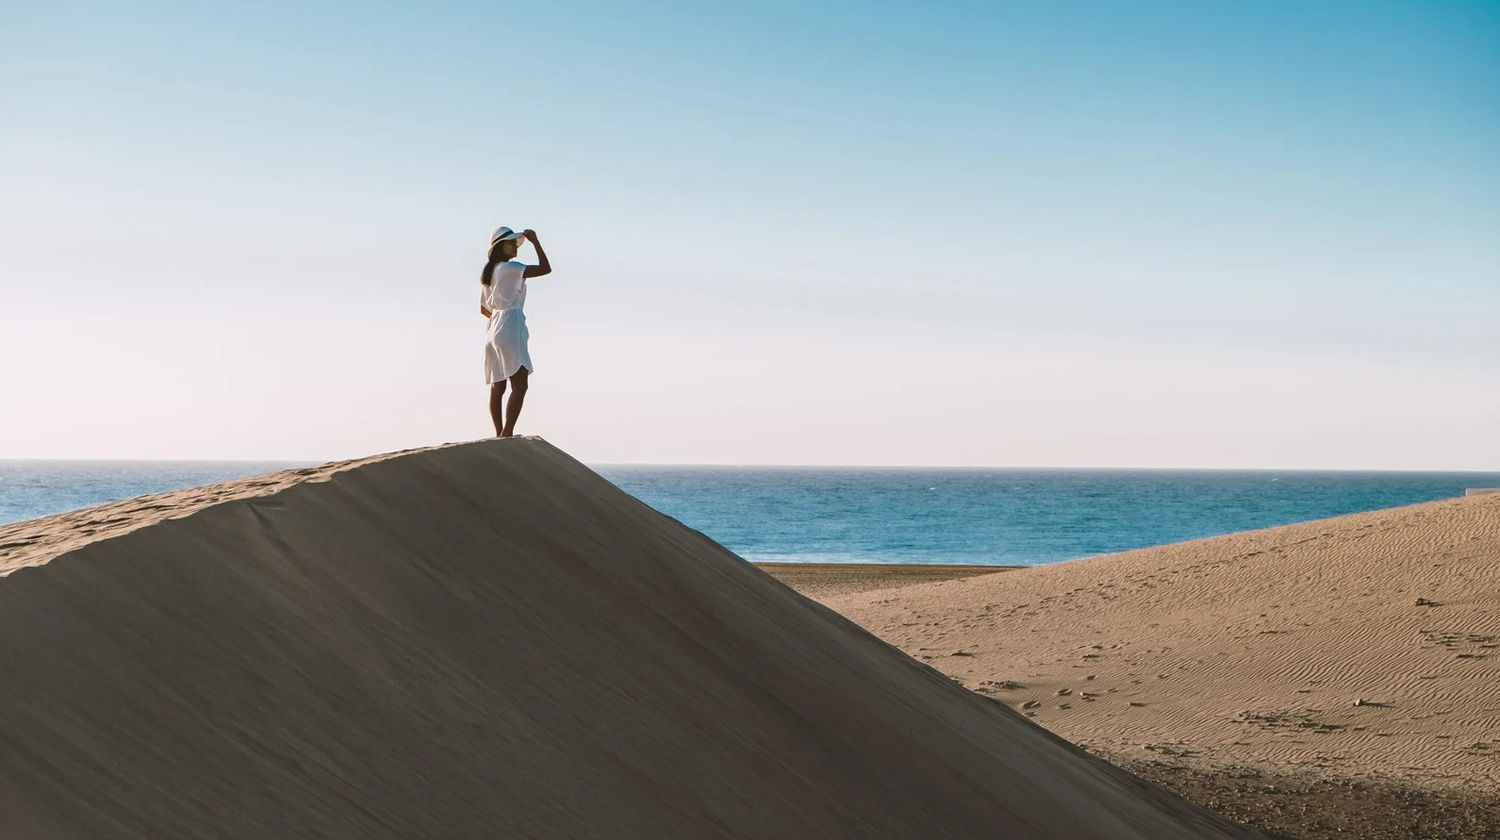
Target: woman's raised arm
column 543, row 266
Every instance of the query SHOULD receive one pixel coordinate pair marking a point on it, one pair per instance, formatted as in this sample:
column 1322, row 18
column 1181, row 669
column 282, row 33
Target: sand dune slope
column 1365, row 646
column 485, row 640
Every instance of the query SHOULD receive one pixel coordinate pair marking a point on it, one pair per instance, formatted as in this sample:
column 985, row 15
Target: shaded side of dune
column 490, row 640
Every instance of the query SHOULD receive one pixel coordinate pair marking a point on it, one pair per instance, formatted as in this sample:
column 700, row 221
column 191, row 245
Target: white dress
column 505, row 343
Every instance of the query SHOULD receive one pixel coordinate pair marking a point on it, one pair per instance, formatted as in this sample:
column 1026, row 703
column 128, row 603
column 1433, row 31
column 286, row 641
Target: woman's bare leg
column 497, row 400
column 518, row 385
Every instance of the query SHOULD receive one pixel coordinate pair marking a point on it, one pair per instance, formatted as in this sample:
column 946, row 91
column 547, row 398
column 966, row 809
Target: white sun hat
column 503, row 234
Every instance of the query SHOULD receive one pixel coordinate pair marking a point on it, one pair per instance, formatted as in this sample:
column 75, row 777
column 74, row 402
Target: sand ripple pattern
column 1364, row 646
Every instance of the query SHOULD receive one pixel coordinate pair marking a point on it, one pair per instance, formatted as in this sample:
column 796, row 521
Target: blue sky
column 1135, row 234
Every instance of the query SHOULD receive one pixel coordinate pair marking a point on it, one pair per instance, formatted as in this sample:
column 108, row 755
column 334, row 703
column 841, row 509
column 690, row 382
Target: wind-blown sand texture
column 1364, row 647
column 485, row 640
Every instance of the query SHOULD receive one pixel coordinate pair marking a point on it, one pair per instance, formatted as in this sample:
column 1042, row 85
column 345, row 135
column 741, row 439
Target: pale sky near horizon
column 1089, row 234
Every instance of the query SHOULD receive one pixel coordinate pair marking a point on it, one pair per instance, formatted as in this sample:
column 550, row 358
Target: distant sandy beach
column 1327, row 679
column 825, row 580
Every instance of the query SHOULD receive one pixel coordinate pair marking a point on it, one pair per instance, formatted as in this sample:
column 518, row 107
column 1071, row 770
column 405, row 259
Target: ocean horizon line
column 298, row 462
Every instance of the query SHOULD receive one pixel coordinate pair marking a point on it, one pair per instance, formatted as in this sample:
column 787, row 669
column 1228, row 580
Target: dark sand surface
column 1307, row 807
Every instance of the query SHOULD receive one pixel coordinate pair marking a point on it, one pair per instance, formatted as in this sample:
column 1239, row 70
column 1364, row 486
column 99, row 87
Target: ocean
column 874, row 515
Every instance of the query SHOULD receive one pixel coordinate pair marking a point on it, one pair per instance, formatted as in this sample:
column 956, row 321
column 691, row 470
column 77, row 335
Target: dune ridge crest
column 481, row 640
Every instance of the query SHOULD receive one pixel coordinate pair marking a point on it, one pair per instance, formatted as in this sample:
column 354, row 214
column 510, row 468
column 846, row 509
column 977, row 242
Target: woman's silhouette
column 502, row 293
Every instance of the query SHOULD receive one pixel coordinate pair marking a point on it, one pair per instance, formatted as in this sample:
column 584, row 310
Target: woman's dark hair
column 484, row 276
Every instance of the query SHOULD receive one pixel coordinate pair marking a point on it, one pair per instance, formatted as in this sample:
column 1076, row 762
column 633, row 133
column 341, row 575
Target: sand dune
column 1361, row 647
column 485, row 640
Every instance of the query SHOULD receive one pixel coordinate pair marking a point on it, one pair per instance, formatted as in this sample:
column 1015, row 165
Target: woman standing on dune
column 502, row 292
